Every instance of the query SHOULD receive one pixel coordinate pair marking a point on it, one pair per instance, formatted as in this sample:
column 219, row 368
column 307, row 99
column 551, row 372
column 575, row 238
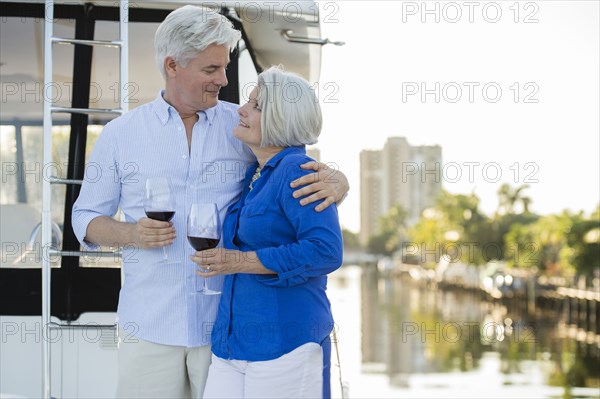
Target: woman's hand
column 328, row 184
column 214, row 262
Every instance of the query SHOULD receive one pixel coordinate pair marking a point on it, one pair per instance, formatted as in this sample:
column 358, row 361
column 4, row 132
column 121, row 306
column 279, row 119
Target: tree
column 584, row 241
column 543, row 244
column 391, row 234
column 456, row 226
column 351, row 240
column 508, row 198
column 506, row 218
column 427, row 234
column 596, row 214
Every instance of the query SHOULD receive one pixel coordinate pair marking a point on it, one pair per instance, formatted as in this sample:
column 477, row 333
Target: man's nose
column 222, row 79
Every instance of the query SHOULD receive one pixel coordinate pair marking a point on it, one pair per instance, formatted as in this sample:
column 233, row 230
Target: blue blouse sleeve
column 318, row 250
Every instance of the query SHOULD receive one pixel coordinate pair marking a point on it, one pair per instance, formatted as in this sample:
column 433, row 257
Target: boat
column 68, row 68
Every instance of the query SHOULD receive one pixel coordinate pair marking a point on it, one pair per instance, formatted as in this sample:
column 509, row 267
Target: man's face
column 196, row 86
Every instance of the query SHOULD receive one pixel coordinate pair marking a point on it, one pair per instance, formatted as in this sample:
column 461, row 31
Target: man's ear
column 170, row 66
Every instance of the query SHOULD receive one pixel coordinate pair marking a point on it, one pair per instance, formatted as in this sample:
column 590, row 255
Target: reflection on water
column 416, row 341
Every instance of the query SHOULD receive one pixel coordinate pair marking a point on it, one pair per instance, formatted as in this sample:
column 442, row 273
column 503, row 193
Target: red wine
column 200, row 243
column 163, row 216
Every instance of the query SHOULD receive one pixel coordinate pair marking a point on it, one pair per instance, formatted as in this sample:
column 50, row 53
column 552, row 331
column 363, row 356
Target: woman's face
column 249, row 130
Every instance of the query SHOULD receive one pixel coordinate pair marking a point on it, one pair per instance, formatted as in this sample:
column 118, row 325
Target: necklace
column 255, row 177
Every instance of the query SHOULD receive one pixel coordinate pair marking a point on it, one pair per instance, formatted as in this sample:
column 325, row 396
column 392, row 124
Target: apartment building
column 397, row 174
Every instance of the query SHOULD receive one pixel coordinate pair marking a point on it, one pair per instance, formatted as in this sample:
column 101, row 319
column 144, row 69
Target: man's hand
column 328, row 184
column 146, row 233
column 213, row 262
column 149, row 233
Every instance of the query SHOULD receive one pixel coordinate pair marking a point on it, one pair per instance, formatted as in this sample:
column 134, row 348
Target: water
column 398, row 339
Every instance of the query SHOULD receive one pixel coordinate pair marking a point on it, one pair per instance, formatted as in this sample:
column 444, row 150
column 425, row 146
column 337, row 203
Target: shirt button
column 179, row 128
column 184, row 157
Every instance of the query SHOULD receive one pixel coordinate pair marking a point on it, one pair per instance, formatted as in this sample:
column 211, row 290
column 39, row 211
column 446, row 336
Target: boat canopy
column 278, row 32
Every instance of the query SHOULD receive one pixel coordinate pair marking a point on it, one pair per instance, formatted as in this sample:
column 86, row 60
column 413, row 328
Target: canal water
column 401, row 339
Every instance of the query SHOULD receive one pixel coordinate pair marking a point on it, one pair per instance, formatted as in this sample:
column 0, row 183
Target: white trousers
column 149, row 370
column 298, row 374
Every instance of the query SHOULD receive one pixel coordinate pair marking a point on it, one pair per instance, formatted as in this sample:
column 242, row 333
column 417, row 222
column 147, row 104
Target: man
column 164, row 323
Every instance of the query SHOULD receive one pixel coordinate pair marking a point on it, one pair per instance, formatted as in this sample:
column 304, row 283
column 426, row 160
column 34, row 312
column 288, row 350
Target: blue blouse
column 262, row 317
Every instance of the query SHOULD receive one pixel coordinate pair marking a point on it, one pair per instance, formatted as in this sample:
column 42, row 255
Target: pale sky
column 552, row 144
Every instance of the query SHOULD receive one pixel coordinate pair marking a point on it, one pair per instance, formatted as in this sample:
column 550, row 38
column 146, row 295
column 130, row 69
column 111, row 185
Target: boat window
column 21, row 114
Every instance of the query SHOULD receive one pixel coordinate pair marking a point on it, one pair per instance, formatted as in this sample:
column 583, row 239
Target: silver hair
column 189, row 30
column 290, row 110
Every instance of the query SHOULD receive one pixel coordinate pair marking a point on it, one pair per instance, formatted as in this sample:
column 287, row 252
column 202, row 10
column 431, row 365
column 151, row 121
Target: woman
column 274, row 317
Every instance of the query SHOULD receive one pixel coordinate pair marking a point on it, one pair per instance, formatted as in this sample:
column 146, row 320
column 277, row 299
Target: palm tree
column 505, row 200
column 509, row 197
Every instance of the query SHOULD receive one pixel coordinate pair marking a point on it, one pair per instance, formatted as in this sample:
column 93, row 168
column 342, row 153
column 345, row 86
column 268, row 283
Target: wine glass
column 204, row 232
column 159, row 205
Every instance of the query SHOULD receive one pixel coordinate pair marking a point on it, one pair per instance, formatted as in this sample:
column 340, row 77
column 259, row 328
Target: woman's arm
column 316, row 250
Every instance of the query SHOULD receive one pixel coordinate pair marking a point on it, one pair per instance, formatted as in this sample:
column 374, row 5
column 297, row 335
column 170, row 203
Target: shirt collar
column 164, row 110
column 210, row 113
column 161, row 108
column 273, row 162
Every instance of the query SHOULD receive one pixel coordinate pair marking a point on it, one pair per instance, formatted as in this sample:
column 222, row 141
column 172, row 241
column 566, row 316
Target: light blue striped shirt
column 159, row 302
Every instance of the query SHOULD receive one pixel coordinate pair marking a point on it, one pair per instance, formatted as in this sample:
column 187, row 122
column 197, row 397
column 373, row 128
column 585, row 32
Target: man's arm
column 146, row 233
column 99, row 200
column 328, row 184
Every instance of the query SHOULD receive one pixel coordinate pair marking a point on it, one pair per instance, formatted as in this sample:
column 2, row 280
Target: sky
column 517, row 94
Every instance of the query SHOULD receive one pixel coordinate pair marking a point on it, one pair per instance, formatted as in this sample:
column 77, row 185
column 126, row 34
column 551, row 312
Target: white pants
column 298, row 374
column 149, row 370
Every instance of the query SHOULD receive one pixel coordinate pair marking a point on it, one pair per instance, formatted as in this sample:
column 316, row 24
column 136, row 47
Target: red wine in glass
column 163, row 216
column 204, row 232
column 201, row 243
column 159, row 204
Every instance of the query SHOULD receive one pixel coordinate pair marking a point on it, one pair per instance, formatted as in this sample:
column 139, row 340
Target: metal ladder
column 49, row 109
